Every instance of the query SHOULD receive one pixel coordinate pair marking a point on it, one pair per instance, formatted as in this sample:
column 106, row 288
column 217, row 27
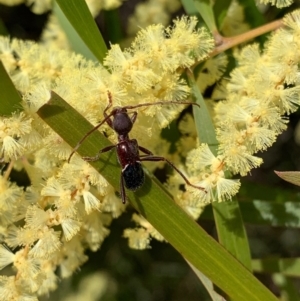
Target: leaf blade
column 285, row 266
column 269, row 213
column 204, row 8
column 231, row 231
column 156, row 205
column 81, row 19
column 10, row 98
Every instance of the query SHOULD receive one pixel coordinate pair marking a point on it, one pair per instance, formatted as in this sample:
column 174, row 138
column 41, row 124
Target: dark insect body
column 132, row 175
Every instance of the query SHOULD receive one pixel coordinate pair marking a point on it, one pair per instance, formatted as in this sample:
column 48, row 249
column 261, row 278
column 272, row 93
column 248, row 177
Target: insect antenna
column 146, row 104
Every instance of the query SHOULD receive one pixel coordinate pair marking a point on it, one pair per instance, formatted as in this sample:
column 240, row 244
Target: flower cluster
column 139, row 238
column 261, row 91
column 278, row 3
column 158, row 12
column 68, row 207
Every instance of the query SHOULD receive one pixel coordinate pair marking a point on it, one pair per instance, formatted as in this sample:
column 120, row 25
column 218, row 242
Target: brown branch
column 224, row 43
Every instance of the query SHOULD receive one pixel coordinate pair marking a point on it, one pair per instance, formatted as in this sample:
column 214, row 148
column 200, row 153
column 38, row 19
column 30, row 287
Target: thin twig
column 224, row 43
column 8, row 170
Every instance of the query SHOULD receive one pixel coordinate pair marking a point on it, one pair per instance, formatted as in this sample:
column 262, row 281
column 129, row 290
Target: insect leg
column 167, row 102
column 145, row 150
column 122, row 189
column 103, row 150
column 157, row 158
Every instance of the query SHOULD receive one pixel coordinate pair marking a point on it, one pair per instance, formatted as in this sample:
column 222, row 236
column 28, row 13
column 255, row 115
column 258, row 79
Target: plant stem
column 8, row 170
column 224, row 43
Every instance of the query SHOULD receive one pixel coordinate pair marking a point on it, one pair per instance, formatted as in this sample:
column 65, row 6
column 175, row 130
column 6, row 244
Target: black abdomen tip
column 134, row 176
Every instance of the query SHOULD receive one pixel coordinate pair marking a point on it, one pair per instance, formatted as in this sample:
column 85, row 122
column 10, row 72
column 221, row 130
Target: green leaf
column 114, row 31
column 189, row 7
column 220, row 10
column 275, row 214
column 10, row 98
column 268, row 213
column 288, row 289
column 156, row 205
column 76, row 42
column 252, row 191
column 231, row 231
column 82, row 21
column 252, row 14
column 204, row 8
column 203, row 120
column 285, row 266
column 254, row 17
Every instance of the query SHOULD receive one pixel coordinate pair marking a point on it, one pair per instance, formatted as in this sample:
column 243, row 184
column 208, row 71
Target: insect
column 132, row 175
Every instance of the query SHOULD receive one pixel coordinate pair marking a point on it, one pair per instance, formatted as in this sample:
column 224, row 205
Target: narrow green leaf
column 203, row 120
column 114, row 30
column 269, row 213
column 204, row 8
column 276, row 214
column 189, row 7
column 156, row 205
column 220, row 10
column 285, row 266
column 76, row 42
column 231, row 231
column 82, row 21
column 252, row 191
column 253, row 16
column 288, row 289
column 10, row 98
